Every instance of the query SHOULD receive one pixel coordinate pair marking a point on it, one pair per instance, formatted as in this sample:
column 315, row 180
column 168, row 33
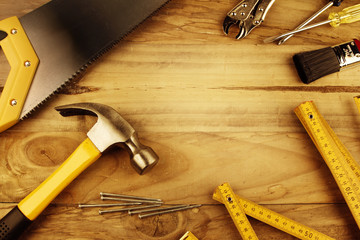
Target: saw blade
column 68, row 35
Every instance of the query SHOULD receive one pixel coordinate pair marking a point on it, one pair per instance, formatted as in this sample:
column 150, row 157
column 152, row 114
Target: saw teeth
column 83, row 68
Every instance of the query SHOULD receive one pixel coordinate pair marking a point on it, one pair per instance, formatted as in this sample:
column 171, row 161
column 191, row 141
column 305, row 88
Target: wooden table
column 214, row 109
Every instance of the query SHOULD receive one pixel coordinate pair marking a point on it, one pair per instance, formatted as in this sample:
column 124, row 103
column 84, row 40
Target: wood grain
column 213, row 108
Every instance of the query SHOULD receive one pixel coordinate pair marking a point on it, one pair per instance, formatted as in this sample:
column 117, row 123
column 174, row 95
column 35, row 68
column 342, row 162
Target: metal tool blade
column 68, row 35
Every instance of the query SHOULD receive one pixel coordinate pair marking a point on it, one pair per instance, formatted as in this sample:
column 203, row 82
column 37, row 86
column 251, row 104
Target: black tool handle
column 13, row 224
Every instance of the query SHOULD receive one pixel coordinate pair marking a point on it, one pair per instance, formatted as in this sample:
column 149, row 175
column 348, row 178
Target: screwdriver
column 347, row 15
column 310, row 19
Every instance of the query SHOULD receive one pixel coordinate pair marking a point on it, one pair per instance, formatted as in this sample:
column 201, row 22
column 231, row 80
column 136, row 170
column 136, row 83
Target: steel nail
column 156, row 209
column 108, row 205
column 128, row 196
column 127, row 209
column 167, row 211
column 129, row 200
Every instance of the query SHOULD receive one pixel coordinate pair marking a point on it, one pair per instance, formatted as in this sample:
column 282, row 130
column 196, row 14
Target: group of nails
column 130, row 204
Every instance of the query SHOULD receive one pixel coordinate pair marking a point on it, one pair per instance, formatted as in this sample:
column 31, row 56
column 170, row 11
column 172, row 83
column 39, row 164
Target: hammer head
column 111, row 129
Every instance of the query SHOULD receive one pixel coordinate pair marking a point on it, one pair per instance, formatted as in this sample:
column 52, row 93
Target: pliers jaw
column 228, row 22
column 247, row 14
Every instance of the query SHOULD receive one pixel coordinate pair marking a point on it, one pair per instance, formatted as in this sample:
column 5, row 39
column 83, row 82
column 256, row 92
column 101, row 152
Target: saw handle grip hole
column 4, row 69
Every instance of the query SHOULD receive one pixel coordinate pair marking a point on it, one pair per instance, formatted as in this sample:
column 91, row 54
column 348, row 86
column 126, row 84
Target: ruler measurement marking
column 236, row 212
column 340, row 162
column 274, row 219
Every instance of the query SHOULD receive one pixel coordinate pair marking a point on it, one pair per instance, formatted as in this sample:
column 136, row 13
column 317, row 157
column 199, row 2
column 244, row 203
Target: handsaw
column 55, row 43
column 238, row 207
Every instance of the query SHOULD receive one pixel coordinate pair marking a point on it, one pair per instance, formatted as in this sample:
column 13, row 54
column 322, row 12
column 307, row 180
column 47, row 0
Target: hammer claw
column 110, row 129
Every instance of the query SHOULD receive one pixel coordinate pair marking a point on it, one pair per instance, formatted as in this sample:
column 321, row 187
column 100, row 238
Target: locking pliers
column 248, row 14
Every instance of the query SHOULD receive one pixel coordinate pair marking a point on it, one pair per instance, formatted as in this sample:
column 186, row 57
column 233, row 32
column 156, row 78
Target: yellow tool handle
column 32, row 205
column 276, row 220
column 347, row 15
column 236, row 212
column 341, row 164
column 357, row 102
column 188, row 236
column 23, row 62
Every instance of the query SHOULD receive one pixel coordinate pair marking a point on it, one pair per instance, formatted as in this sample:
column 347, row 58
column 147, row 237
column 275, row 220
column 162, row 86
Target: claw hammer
column 110, row 129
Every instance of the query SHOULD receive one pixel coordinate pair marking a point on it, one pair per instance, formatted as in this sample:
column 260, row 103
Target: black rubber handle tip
column 13, row 224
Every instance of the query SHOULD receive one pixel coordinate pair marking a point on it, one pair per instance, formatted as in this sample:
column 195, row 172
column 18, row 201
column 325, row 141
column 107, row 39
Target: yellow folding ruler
column 239, row 207
column 357, row 101
column 340, row 162
column 188, row 236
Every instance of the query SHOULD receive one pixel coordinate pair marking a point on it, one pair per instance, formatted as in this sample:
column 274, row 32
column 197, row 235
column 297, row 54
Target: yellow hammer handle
column 32, row 205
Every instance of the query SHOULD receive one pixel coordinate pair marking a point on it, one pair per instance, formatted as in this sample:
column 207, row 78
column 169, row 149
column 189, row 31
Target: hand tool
column 236, row 212
column 357, row 102
column 340, row 162
column 110, row 130
column 347, row 15
column 54, row 44
column 188, row 236
column 312, row 65
column 315, row 15
column 248, row 14
column 237, row 204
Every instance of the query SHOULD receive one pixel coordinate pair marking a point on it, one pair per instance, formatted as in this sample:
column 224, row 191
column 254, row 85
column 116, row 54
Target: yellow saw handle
column 31, row 206
column 23, row 62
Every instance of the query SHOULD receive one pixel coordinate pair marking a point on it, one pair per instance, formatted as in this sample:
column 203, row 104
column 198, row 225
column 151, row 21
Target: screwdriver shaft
column 272, row 39
column 306, row 22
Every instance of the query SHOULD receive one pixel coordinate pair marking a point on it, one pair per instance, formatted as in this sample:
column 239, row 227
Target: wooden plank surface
column 214, row 109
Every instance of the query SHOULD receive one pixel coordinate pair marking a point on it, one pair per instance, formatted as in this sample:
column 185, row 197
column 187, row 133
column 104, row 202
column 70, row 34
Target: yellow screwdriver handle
column 32, row 205
column 347, row 15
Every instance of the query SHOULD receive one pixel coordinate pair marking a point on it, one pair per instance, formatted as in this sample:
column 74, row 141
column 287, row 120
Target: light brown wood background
column 214, row 109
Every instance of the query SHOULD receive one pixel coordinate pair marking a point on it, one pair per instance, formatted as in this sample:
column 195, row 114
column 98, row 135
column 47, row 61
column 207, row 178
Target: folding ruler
column 340, row 162
column 239, row 207
column 188, row 236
